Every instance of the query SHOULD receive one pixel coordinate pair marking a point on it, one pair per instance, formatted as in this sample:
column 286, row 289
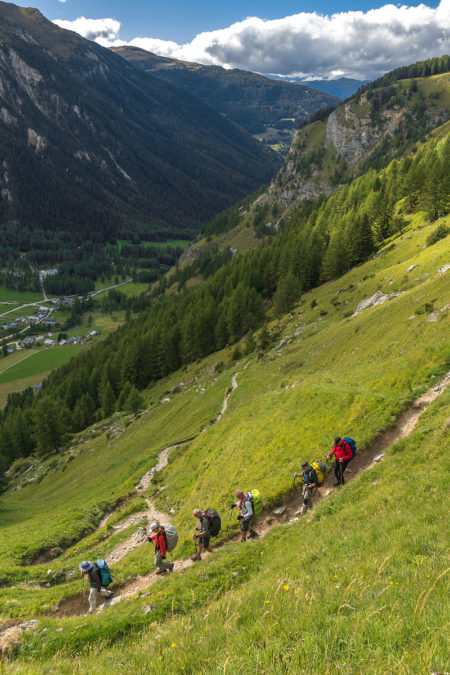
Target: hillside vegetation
column 325, row 373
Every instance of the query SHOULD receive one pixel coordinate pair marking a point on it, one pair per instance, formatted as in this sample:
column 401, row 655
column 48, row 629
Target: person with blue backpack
column 99, row 576
column 344, row 453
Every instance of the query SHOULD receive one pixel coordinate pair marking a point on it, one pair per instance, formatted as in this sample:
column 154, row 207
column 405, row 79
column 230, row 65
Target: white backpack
column 171, row 537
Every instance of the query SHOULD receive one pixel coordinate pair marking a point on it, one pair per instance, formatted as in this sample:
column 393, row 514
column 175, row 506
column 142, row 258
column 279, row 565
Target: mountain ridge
column 67, row 90
column 270, row 109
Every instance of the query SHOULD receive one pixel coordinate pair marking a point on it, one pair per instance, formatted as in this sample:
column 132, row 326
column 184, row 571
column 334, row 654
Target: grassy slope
column 350, row 375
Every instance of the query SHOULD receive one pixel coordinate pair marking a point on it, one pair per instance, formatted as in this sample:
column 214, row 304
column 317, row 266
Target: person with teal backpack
column 250, row 505
column 99, row 577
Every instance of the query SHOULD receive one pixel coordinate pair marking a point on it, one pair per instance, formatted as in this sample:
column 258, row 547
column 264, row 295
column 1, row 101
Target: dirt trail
column 289, row 512
column 152, row 513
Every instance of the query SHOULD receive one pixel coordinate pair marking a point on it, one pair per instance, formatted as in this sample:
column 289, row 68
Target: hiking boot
column 160, row 570
column 196, row 557
column 336, row 484
column 253, row 534
column 172, row 565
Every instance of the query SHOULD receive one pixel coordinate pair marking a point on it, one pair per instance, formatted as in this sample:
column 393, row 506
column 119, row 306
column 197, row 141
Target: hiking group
column 249, row 505
column 344, row 450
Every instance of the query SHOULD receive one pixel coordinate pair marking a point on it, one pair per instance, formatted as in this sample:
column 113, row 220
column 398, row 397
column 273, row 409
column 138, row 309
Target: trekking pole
column 229, row 522
column 293, row 485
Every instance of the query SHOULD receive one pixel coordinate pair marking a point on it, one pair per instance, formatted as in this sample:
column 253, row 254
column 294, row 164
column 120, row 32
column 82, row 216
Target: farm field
column 34, row 362
column 21, row 297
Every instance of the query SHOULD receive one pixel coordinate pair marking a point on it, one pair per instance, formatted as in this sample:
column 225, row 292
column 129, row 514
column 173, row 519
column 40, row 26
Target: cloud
column 92, row 29
column 351, row 44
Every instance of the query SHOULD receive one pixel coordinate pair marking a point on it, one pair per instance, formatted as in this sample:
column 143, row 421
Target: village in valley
column 48, row 330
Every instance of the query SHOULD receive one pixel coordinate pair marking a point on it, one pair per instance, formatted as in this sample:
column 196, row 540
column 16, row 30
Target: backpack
column 171, row 536
column 257, row 502
column 320, row 469
column 351, row 443
column 214, row 521
column 105, row 572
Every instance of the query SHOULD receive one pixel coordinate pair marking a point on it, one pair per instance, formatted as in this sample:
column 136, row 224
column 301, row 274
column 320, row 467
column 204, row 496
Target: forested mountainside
column 270, row 109
column 90, row 144
column 320, row 241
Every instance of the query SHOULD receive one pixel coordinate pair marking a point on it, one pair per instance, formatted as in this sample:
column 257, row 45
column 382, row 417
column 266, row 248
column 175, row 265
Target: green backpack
column 257, row 502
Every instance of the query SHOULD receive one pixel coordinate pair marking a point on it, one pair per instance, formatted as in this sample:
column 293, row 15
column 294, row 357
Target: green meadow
column 37, row 361
column 359, row 586
column 10, row 295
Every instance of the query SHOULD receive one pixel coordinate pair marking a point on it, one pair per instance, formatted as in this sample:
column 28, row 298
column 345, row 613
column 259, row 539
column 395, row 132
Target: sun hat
column 153, row 527
column 86, row 566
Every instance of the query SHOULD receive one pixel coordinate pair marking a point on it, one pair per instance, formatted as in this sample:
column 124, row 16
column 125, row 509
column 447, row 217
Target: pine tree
column 49, row 425
column 107, row 398
column 288, row 291
column 134, row 402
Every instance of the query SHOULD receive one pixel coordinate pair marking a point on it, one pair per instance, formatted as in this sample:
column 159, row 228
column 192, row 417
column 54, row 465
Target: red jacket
column 343, row 452
column 159, row 539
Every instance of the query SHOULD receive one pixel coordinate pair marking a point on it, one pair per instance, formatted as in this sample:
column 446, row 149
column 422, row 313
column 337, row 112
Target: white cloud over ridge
column 92, row 29
column 351, row 44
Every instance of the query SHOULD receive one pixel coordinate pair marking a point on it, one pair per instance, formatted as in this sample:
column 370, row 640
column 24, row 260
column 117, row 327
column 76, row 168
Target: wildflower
column 173, row 644
column 133, row 643
column 336, row 565
column 267, row 602
column 157, row 637
column 295, row 592
column 285, row 587
column 428, row 576
column 392, row 583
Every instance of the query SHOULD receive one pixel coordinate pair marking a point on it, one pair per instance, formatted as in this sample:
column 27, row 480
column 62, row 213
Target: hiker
column 202, row 534
column 310, row 484
column 245, row 517
column 158, row 535
column 344, row 454
column 92, row 571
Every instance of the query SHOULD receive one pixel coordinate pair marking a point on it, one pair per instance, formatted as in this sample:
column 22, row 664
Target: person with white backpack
column 158, row 534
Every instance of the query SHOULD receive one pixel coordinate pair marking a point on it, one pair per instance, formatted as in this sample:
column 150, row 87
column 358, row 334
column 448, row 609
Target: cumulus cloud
column 92, row 29
column 352, row 44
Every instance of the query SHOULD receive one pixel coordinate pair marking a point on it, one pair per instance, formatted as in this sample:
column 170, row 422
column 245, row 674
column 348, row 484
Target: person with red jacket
column 158, row 536
column 343, row 454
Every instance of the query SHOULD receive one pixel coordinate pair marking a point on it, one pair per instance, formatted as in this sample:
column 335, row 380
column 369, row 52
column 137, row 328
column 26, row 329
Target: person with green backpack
column 249, row 505
column 96, row 581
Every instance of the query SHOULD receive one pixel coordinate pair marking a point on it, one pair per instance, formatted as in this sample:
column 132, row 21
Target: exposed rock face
column 354, row 136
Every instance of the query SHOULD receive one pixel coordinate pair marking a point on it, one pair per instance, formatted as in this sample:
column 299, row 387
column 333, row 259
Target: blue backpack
column 104, row 572
column 351, row 443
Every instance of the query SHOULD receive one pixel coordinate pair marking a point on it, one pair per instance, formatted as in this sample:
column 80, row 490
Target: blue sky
column 324, row 38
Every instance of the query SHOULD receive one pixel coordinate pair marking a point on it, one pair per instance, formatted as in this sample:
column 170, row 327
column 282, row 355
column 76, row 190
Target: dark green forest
column 322, row 240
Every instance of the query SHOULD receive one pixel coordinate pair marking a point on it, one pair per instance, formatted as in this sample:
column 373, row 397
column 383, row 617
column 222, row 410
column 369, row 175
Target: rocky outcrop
column 353, row 135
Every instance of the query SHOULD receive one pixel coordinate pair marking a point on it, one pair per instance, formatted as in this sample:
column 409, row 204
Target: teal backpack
column 105, row 572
